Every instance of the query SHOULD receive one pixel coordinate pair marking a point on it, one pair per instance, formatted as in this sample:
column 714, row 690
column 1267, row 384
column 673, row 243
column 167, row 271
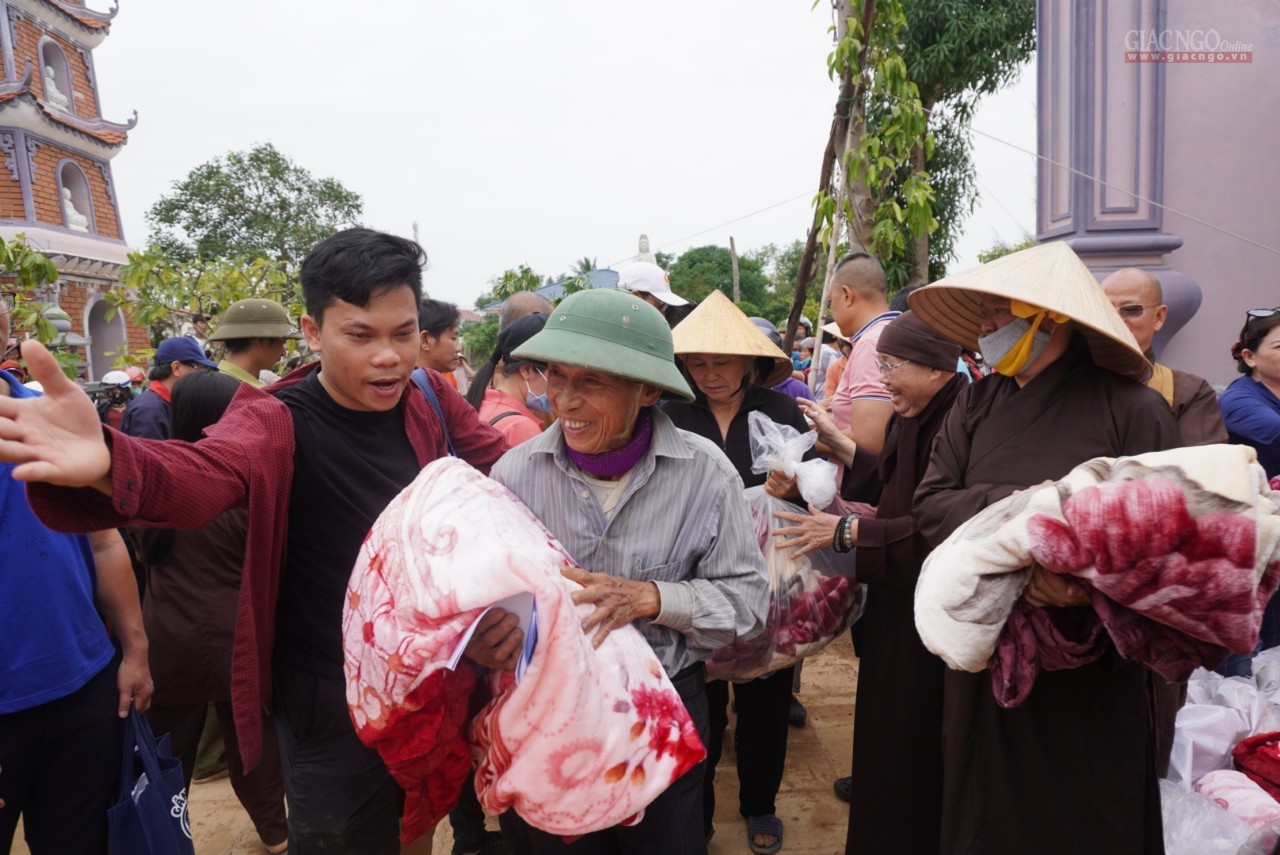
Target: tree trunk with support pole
column 920, row 274
column 733, row 260
column 832, row 252
column 849, row 109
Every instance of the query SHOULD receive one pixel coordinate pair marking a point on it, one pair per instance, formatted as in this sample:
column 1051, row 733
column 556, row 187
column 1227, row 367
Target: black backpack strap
column 419, row 377
column 500, row 416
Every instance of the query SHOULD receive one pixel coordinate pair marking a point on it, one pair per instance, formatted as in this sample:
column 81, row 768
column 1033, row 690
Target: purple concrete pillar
column 1101, row 139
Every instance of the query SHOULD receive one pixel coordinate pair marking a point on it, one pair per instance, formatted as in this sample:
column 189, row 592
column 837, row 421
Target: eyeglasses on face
column 888, row 368
column 1133, row 310
column 8, row 299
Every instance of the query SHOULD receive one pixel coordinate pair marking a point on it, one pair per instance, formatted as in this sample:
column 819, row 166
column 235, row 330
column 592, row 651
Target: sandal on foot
column 766, row 824
column 844, row 788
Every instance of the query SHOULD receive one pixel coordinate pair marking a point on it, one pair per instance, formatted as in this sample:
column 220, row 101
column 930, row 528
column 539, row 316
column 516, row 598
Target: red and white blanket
column 1179, row 550
column 585, row 741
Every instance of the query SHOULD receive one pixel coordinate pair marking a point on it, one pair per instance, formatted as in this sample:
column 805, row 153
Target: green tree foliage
column 584, row 265
column 957, row 51
column 781, row 266
column 888, row 193
column 251, row 204
column 160, row 292
column 952, row 53
column 1000, row 249
column 508, row 282
column 479, row 339
column 701, row 270
column 954, row 183
column 26, row 270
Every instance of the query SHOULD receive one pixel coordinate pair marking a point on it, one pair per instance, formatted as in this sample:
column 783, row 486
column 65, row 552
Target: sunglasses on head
column 1262, row 313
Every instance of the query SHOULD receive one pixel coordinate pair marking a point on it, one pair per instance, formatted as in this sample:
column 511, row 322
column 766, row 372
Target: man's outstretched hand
column 57, row 437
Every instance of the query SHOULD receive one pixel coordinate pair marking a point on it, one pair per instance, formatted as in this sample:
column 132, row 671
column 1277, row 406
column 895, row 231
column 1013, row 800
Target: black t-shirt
column 696, row 417
column 347, row 466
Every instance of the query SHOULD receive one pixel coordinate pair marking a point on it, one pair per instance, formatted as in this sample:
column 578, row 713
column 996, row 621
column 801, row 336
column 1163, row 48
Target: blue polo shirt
column 52, row 639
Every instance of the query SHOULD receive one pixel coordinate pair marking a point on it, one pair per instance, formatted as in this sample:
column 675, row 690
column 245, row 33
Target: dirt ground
column 813, row 817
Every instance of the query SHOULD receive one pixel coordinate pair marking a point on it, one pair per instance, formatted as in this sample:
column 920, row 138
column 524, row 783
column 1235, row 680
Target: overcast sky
column 517, row 132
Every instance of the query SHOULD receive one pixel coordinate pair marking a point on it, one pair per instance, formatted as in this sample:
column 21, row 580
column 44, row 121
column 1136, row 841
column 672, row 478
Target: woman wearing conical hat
column 733, row 367
column 1072, row 769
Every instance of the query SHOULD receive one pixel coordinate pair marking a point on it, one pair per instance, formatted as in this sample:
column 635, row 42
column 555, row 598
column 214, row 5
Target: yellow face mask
column 1015, row 361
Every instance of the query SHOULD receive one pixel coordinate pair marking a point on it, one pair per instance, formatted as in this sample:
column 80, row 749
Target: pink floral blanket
column 1179, row 550
column 585, row 741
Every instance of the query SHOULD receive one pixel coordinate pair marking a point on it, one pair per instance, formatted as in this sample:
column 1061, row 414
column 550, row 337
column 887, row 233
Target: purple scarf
column 611, row 464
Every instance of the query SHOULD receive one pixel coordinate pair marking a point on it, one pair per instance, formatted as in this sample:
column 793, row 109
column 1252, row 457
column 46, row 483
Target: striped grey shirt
column 681, row 522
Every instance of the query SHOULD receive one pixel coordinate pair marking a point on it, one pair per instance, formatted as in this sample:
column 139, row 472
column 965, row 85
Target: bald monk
column 1139, row 299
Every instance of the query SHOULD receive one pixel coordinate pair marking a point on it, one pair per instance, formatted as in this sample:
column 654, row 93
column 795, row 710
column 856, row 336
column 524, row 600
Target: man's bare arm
column 868, row 421
column 117, row 599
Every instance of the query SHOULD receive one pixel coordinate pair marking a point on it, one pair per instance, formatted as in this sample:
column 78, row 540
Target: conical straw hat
column 718, row 326
column 1050, row 276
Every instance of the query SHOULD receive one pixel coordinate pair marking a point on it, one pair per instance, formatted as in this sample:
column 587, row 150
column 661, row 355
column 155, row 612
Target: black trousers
column 60, row 769
column 341, row 797
column 671, row 823
column 467, row 817
column 760, row 741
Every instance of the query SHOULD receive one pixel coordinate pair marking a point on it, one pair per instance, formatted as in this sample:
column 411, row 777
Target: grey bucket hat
column 610, row 331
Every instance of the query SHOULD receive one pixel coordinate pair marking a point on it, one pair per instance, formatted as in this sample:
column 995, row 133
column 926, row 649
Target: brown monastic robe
column 1072, row 770
column 897, row 722
column 1195, row 406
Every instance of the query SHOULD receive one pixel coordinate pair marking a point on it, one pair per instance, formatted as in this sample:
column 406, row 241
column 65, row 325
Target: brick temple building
column 55, row 167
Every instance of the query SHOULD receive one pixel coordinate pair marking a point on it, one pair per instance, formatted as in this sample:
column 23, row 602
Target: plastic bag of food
column 811, row 601
column 1195, row 825
column 812, row 598
column 782, row 448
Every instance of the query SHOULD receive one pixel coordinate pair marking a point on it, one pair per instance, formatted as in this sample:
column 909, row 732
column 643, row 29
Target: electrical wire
column 1016, row 147
column 1138, row 196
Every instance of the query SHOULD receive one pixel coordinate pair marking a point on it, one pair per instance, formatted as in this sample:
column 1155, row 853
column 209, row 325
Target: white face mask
column 997, row 345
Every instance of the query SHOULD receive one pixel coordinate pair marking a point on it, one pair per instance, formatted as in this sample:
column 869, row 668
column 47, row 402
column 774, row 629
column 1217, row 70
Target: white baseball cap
column 644, row 277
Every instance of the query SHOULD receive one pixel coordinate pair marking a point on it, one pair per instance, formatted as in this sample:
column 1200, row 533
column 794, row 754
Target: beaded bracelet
column 842, row 540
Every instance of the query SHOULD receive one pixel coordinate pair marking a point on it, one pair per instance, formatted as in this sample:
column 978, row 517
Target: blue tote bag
column 150, row 813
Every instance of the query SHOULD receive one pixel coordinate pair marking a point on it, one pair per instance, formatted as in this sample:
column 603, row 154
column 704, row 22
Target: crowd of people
column 186, row 548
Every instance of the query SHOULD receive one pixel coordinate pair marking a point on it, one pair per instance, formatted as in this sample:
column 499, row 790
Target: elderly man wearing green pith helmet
column 656, row 514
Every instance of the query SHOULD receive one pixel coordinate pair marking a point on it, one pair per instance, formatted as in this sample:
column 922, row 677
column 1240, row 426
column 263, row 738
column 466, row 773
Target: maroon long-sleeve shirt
column 245, row 460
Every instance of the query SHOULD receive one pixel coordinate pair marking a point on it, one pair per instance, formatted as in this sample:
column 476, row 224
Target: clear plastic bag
column 782, row 448
column 1195, row 825
column 810, row 602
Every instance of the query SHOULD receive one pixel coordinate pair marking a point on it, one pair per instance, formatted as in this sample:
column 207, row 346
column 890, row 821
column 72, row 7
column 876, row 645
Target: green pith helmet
column 610, row 331
column 254, row 318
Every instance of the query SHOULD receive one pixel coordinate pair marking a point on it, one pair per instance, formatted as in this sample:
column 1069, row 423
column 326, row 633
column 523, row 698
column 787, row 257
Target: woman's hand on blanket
column 807, row 532
column 1047, row 588
column 618, row 601
column 497, row 641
